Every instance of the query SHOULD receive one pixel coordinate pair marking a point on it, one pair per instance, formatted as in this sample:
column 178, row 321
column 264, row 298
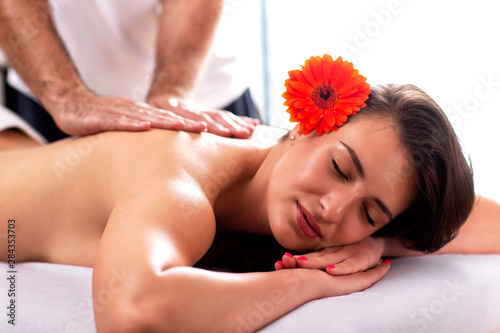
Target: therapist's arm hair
column 185, row 33
column 33, row 48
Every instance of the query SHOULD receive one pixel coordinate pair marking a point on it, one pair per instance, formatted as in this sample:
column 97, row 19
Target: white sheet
column 9, row 119
column 437, row 293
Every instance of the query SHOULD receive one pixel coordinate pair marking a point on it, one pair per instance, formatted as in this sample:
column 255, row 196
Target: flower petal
column 309, row 76
column 302, row 87
column 324, row 93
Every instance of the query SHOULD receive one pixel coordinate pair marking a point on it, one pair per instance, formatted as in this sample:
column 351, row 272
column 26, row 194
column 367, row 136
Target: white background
column 447, row 48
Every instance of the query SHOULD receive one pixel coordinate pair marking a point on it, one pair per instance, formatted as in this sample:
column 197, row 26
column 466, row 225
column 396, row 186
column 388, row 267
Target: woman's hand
column 329, row 285
column 339, row 260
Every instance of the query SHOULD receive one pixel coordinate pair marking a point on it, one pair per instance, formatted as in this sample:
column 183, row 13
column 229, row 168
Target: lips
column 306, row 223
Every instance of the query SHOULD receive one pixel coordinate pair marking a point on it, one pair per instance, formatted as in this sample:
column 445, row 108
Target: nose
column 336, row 205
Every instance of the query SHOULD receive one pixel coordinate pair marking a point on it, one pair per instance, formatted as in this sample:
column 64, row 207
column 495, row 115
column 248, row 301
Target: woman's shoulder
column 160, row 141
column 161, row 156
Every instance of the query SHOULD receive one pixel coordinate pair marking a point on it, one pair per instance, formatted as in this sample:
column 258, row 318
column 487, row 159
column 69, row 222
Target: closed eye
column 370, row 220
column 340, row 173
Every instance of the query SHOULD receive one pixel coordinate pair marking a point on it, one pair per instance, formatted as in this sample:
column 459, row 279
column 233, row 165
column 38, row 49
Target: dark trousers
column 41, row 120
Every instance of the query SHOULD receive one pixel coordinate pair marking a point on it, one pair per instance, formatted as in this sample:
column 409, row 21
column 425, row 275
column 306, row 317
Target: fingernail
column 289, row 254
column 280, row 262
column 387, row 261
column 302, row 258
column 330, row 266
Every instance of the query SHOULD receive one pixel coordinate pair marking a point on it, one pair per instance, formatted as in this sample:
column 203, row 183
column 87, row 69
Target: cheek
column 301, row 172
column 351, row 233
column 278, row 185
column 286, row 175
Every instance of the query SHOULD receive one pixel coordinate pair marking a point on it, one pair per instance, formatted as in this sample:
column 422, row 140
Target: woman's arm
column 480, row 234
column 143, row 280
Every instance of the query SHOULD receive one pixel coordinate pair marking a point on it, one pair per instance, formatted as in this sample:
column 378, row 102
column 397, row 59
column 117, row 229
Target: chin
column 289, row 241
column 286, row 239
column 283, row 231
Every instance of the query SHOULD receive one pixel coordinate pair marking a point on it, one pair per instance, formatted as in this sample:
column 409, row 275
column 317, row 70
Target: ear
column 296, row 132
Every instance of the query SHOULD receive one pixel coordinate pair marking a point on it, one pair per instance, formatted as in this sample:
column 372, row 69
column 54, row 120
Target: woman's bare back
column 62, row 195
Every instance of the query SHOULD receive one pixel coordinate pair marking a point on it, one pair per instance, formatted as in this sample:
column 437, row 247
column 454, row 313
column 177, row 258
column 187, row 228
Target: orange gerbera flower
column 324, row 93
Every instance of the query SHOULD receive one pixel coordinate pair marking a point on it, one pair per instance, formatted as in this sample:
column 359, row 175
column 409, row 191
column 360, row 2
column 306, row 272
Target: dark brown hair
column 444, row 184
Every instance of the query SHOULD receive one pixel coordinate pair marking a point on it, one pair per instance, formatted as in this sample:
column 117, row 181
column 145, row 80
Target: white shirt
column 112, row 43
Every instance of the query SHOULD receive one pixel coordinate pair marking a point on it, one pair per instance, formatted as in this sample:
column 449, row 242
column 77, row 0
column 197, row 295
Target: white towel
column 9, row 119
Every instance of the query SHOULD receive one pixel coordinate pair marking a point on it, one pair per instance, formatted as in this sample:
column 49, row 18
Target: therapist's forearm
column 185, row 34
column 33, row 48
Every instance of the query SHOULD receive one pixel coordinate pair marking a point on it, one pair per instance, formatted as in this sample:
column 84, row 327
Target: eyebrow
column 361, row 172
column 355, row 159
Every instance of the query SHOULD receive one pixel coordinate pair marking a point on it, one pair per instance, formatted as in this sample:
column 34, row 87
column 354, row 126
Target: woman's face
column 339, row 188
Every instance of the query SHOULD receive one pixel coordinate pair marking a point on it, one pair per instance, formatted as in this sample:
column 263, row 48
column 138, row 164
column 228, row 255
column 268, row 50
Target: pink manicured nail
column 330, row 266
column 280, row 262
column 302, row 258
column 387, row 261
column 289, row 254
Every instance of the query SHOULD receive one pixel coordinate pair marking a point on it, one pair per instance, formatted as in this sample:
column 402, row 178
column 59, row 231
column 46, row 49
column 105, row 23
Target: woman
column 146, row 206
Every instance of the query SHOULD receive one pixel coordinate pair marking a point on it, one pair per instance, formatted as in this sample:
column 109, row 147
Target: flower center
column 325, row 96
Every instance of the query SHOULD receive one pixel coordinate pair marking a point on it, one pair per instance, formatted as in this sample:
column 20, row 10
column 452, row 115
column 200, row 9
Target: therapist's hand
column 81, row 112
column 218, row 122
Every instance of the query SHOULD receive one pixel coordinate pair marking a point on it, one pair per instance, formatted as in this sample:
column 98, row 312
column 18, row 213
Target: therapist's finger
column 213, row 126
column 113, row 122
column 101, row 122
column 219, row 122
column 164, row 119
column 253, row 121
column 171, row 121
column 191, row 111
column 237, row 127
column 85, row 113
column 232, row 118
